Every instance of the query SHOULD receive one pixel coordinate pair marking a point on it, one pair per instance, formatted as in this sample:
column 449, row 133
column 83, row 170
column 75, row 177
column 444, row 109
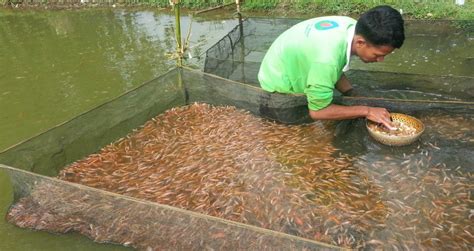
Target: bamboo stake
column 237, row 3
column 177, row 14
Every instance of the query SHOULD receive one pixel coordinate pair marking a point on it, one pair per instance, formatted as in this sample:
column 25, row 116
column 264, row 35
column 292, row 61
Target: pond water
column 436, row 48
column 434, row 63
column 56, row 65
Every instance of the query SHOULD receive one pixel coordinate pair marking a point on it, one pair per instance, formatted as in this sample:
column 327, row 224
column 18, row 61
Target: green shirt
column 309, row 58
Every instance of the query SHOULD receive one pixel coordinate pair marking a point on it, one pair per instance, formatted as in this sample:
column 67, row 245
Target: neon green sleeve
column 320, row 85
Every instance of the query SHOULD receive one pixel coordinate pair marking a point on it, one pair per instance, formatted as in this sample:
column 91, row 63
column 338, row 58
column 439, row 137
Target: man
column 311, row 57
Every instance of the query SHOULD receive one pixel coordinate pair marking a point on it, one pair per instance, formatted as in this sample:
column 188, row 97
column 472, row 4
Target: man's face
column 369, row 53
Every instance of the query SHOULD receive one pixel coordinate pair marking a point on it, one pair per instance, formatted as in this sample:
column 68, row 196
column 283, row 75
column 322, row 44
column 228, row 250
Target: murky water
column 435, row 62
column 436, row 48
column 58, row 64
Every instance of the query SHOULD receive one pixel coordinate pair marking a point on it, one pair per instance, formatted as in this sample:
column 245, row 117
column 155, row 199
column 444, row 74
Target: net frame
column 31, row 163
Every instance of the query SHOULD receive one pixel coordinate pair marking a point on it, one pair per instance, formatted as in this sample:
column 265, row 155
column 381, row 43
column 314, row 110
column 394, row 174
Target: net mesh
column 196, row 161
column 444, row 72
column 57, row 206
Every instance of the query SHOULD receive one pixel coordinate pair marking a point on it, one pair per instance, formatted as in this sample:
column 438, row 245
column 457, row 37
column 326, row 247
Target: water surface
column 59, row 64
column 56, row 65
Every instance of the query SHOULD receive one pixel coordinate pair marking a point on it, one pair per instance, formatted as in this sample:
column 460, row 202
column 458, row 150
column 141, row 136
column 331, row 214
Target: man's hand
column 337, row 112
column 380, row 115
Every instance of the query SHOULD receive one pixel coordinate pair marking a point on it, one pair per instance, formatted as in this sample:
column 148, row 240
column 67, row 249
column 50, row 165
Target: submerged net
column 227, row 163
column 58, row 206
column 212, row 175
column 55, row 206
column 202, row 162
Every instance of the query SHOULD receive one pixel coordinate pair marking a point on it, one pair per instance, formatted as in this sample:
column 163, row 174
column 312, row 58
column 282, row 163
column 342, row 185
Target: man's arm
column 338, row 112
column 320, row 97
column 343, row 85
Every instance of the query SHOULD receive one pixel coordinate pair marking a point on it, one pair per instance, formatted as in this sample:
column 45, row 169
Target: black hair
column 382, row 25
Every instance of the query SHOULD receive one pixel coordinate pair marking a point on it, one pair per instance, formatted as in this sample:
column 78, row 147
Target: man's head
column 377, row 33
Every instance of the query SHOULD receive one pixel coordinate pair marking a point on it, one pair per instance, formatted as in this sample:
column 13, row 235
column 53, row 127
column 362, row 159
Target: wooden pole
column 237, row 2
column 179, row 45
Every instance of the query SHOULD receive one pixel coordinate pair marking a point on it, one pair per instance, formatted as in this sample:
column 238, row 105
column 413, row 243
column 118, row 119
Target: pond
column 59, row 64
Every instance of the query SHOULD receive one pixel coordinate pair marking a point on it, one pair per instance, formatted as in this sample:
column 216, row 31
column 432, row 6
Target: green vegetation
column 417, row 9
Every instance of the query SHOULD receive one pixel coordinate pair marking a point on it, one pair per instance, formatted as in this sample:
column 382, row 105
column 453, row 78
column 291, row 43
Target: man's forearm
column 338, row 112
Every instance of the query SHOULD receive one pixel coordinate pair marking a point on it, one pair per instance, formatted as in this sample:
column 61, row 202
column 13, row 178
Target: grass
column 416, row 9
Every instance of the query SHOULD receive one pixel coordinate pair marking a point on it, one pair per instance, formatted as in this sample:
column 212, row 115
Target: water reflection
column 63, row 63
column 435, row 48
column 442, row 49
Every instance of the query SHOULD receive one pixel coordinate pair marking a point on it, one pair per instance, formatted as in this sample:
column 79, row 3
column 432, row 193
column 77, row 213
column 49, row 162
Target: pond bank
column 411, row 9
